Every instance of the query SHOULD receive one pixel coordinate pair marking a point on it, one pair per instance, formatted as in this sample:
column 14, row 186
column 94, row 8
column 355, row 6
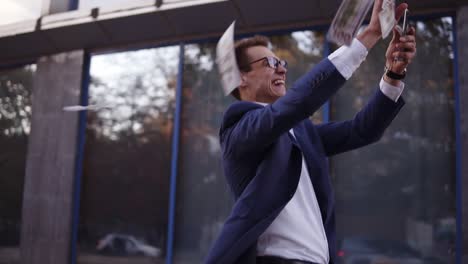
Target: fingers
column 410, row 36
column 400, row 10
column 404, row 50
column 404, row 56
column 396, row 35
column 377, row 6
column 411, row 31
column 406, row 46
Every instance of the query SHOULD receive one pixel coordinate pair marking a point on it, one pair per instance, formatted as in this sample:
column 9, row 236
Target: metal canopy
column 144, row 23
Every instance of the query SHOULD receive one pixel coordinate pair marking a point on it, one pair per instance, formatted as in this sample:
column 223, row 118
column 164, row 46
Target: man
column 274, row 158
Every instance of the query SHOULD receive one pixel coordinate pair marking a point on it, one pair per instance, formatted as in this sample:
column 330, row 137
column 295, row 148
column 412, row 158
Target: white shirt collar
column 260, row 103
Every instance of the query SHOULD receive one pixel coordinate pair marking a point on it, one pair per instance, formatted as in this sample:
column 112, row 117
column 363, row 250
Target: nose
column 281, row 69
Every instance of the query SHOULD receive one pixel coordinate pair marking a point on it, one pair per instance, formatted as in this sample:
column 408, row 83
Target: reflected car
column 376, row 251
column 124, row 245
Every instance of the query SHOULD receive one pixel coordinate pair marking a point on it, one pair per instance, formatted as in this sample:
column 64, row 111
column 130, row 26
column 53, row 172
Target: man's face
column 264, row 84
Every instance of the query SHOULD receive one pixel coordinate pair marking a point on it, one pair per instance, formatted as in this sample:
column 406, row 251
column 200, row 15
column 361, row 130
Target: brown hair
column 242, row 45
column 241, row 57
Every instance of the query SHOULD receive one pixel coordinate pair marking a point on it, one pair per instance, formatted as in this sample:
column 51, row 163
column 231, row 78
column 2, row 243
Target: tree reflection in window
column 124, row 200
column 138, row 87
column 15, row 126
column 15, row 101
column 403, row 188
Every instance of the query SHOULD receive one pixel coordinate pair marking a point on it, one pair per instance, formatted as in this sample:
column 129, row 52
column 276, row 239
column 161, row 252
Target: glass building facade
column 396, row 199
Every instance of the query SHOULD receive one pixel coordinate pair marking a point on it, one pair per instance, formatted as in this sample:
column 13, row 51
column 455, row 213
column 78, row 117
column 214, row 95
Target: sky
column 13, row 11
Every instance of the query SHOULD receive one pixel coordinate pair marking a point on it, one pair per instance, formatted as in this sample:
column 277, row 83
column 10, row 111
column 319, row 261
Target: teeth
column 278, row 82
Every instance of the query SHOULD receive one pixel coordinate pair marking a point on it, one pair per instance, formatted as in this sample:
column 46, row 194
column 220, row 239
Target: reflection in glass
column 125, row 188
column 203, row 197
column 397, row 198
column 15, row 126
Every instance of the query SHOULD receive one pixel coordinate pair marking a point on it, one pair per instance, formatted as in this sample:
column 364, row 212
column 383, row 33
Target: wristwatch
column 394, row 75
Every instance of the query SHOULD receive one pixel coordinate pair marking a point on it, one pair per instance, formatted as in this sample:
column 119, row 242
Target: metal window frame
column 459, row 150
column 175, row 158
column 86, row 78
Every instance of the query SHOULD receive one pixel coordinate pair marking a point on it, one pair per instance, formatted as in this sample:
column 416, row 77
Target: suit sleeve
column 367, row 126
column 253, row 130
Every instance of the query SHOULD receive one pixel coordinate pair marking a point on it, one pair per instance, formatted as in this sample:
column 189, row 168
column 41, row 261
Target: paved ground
column 11, row 256
column 99, row 259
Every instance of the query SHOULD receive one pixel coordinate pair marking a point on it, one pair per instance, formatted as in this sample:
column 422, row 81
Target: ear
column 243, row 76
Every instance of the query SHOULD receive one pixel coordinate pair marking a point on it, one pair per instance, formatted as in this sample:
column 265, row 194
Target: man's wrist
column 391, row 81
column 369, row 38
column 397, row 70
column 391, row 89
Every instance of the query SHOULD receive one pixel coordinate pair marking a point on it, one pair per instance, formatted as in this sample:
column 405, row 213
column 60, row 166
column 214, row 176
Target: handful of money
column 347, row 21
column 226, row 61
column 387, row 17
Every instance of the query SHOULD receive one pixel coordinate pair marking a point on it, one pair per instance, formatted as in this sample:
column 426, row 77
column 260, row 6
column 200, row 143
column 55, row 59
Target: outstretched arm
column 365, row 128
column 248, row 127
column 370, row 123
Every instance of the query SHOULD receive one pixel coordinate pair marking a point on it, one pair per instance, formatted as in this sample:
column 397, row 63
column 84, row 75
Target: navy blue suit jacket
column 262, row 162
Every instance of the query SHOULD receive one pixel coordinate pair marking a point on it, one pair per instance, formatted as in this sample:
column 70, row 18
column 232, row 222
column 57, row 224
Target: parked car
column 355, row 250
column 121, row 244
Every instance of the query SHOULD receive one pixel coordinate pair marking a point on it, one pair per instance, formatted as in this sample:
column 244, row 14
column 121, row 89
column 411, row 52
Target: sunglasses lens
column 284, row 63
column 271, row 62
column 274, row 62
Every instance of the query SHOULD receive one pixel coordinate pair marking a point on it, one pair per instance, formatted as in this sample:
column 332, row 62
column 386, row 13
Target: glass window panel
column 13, row 11
column 125, row 189
column 396, row 199
column 15, row 126
column 203, row 197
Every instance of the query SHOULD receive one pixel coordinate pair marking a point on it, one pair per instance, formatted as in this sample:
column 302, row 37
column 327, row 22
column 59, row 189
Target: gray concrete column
column 462, row 45
column 48, row 189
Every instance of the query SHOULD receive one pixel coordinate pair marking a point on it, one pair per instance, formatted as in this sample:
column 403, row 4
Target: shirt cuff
column 391, row 91
column 347, row 59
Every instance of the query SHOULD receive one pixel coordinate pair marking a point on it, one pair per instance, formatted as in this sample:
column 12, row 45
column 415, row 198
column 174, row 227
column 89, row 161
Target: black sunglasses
column 272, row 62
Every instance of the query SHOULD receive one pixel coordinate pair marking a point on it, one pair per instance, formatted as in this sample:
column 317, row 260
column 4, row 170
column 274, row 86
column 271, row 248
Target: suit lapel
column 293, row 139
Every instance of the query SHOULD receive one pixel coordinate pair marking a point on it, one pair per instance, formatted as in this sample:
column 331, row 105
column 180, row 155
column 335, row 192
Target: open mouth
column 278, row 82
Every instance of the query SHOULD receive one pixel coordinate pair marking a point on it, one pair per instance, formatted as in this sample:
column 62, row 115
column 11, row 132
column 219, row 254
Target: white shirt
column 298, row 232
